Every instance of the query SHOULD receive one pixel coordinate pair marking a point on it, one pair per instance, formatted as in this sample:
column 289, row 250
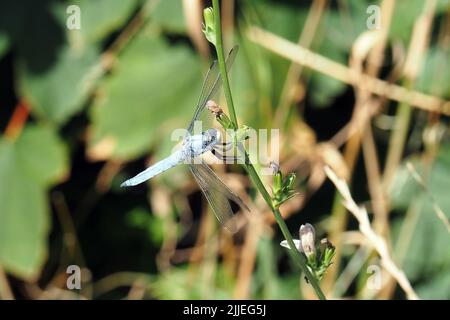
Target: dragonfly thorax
column 210, row 138
column 198, row 144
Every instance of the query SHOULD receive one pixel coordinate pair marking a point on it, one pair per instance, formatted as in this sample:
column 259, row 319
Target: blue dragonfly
column 193, row 146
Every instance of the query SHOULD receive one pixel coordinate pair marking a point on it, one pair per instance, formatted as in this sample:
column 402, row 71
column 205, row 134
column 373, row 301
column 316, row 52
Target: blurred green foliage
column 137, row 83
column 26, row 172
column 82, row 113
column 427, row 256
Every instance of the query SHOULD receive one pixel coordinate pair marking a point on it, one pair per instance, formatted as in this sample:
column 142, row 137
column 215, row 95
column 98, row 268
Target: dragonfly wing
column 217, row 194
column 159, row 167
column 211, row 85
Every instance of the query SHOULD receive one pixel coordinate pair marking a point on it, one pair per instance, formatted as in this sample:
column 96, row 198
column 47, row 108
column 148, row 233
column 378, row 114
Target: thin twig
column 17, row 121
column 341, row 72
column 119, row 279
column 5, row 289
column 374, row 239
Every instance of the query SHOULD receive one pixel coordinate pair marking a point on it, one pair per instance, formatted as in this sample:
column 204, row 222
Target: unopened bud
column 275, row 167
column 277, row 178
column 325, row 243
column 307, row 238
column 208, row 26
column 221, row 117
column 214, row 108
column 291, row 180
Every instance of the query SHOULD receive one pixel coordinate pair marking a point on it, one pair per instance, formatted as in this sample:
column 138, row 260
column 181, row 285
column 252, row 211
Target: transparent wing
column 211, row 85
column 217, row 194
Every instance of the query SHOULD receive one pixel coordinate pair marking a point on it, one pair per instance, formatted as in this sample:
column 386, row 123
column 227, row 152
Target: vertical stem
column 299, row 259
column 293, row 252
column 222, row 66
column 397, row 142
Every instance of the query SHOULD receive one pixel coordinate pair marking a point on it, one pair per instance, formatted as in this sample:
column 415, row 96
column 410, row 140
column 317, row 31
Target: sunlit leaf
column 28, row 167
column 59, row 92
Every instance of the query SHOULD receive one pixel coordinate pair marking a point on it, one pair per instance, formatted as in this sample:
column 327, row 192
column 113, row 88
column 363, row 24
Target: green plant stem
column 299, row 260
column 222, row 66
column 397, row 141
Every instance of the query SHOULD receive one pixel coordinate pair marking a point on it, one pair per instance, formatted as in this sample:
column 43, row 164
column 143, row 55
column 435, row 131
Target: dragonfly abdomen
column 159, row 167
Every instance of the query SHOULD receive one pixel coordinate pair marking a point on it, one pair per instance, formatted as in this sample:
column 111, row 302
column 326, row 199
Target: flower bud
column 212, row 106
column 277, row 179
column 307, row 238
column 290, row 180
column 275, row 167
column 221, row 117
column 327, row 251
column 208, row 26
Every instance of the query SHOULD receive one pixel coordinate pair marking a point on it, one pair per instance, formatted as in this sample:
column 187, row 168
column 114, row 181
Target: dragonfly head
column 211, row 137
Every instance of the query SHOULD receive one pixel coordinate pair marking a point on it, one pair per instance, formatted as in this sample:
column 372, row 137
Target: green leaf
column 170, row 16
column 405, row 15
column 61, row 90
column 428, row 253
column 438, row 287
column 42, row 155
column 51, row 74
column 434, row 77
column 55, row 71
column 98, row 18
column 152, row 92
column 27, row 168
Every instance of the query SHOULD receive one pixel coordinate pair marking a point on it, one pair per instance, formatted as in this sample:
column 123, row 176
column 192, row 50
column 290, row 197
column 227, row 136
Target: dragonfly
column 193, row 146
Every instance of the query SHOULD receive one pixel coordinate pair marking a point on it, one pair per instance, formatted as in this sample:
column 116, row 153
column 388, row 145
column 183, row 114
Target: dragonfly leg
column 224, row 146
column 224, row 158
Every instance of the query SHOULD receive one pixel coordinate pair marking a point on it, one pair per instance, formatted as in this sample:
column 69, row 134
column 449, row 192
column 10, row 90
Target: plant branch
column 293, row 252
column 319, row 63
column 222, row 66
column 373, row 238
